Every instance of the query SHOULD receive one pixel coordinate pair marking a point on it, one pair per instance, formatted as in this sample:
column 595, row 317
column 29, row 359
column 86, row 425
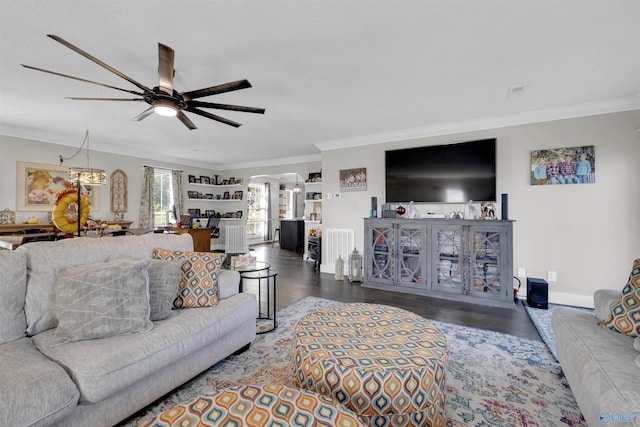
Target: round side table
column 266, row 304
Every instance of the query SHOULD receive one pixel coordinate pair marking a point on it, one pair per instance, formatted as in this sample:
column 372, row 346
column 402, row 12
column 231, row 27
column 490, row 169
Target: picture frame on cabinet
column 226, row 195
column 192, row 194
column 237, row 195
column 239, row 214
column 208, row 196
column 192, row 179
column 204, row 179
column 194, row 213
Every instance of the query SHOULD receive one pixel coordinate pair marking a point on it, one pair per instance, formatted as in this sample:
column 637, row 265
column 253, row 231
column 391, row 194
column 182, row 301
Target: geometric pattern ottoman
column 257, row 406
column 385, row 364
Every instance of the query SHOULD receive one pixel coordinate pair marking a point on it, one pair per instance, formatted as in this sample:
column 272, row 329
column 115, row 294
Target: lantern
column 355, row 266
column 339, row 268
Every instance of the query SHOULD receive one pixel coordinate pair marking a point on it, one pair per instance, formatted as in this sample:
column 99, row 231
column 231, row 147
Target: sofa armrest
column 228, row 283
column 603, row 300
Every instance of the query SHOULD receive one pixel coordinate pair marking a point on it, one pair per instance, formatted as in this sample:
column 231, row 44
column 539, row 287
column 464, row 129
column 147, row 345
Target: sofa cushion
column 199, row 284
column 44, row 258
column 625, row 314
column 106, row 366
column 13, row 286
column 101, row 300
column 35, row 391
column 164, row 277
column 598, row 363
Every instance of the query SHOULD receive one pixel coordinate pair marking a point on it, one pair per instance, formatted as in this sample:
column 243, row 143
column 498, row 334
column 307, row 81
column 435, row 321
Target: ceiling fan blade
column 184, row 119
column 214, row 90
column 226, row 107
column 97, row 61
column 213, row 117
column 75, row 98
column 166, row 56
column 81, row 80
column 146, row 113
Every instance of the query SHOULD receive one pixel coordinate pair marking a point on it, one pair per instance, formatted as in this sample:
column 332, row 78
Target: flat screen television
column 453, row 173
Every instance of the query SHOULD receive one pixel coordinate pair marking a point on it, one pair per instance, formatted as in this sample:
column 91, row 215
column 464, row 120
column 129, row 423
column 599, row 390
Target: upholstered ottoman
column 257, row 406
column 386, row 364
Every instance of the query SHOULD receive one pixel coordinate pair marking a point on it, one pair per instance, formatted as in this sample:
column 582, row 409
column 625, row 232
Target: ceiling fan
column 163, row 99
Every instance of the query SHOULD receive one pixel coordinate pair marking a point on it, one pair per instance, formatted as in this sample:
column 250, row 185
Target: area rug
column 542, row 321
column 492, row 379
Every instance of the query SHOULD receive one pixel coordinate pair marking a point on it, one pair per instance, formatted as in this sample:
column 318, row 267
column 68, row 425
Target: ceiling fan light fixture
column 165, row 108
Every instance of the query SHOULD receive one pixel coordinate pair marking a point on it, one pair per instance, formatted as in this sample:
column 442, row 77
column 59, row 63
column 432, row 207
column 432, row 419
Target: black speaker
column 505, row 206
column 537, row 293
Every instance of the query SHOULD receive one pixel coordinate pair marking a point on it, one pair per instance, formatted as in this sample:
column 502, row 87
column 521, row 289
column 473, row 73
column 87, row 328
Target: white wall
column 589, row 234
column 13, row 150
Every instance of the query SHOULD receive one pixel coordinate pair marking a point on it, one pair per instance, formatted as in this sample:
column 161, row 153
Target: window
column 162, row 197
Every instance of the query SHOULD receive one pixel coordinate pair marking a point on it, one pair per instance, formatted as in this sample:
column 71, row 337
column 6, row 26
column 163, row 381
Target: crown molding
column 538, row 116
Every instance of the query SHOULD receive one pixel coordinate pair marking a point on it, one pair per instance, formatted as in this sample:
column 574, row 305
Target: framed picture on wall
column 568, row 165
column 353, row 179
column 38, row 184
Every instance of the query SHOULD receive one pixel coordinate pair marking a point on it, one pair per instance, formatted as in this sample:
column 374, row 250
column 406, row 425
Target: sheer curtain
column 146, row 200
column 178, row 194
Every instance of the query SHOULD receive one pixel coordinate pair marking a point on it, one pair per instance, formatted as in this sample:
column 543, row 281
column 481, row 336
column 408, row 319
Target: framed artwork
column 353, row 179
column 239, row 214
column 226, row 195
column 209, row 213
column 194, row 213
column 237, row 195
column 118, row 187
column 315, row 177
column 568, row 165
column 38, row 184
column 204, row 179
column 192, row 179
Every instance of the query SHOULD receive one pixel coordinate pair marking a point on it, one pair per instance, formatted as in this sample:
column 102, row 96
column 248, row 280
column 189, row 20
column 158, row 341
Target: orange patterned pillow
column 199, row 284
column 625, row 315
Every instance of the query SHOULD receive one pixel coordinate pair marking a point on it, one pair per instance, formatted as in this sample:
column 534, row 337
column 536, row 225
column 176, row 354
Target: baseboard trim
column 571, row 299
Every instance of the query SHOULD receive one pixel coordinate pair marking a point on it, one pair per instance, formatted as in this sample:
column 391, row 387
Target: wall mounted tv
column 454, row 173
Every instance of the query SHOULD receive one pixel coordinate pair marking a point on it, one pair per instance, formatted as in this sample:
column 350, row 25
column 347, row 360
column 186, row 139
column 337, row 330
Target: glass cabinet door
column 380, row 268
column 410, row 259
column 485, row 262
column 448, row 252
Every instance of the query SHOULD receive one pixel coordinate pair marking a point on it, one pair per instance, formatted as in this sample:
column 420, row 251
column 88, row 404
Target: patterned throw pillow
column 199, row 284
column 101, row 300
column 164, row 277
column 625, row 316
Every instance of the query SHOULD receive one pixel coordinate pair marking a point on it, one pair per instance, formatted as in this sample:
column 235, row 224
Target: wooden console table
column 48, row 226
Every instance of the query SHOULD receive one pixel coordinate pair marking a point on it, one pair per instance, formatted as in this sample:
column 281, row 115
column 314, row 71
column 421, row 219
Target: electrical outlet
column 337, row 195
column 551, row 276
column 522, row 272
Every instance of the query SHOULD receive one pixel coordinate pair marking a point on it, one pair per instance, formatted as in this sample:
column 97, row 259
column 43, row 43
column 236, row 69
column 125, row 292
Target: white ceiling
column 329, row 73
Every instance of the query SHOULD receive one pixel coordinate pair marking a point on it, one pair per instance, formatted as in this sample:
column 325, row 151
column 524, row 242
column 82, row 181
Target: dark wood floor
column 297, row 279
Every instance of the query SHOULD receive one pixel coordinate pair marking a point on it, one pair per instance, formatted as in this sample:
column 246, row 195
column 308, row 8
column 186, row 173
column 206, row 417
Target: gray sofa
column 99, row 382
column 600, row 364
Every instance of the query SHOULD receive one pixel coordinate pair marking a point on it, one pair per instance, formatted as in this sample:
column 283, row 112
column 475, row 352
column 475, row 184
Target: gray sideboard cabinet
column 462, row 260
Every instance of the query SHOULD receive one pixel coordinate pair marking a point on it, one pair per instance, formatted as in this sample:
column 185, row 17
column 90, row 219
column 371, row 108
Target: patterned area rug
column 542, row 321
column 492, row 379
